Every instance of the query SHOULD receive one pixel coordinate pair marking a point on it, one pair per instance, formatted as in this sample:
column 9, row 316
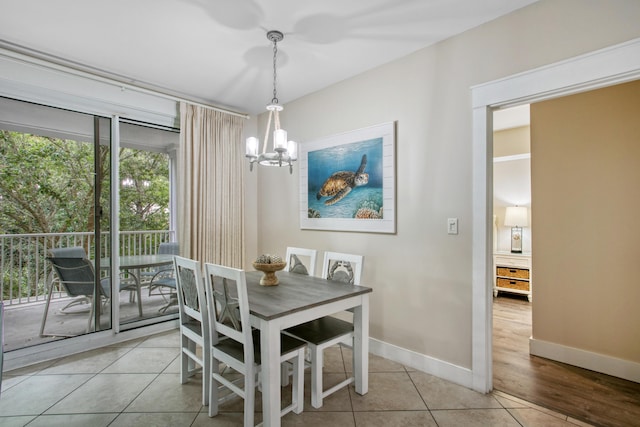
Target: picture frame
column 347, row 181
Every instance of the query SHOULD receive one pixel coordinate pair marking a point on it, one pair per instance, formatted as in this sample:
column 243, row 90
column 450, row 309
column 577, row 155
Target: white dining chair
column 239, row 349
column 327, row 331
column 194, row 323
column 301, row 260
column 342, row 267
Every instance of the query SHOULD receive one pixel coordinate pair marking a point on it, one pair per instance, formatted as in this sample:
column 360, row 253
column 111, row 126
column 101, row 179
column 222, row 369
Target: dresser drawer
column 518, row 273
column 508, row 261
column 521, row 285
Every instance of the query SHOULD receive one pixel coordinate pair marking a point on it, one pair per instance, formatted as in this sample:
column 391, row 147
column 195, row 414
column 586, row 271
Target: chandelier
column 284, row 152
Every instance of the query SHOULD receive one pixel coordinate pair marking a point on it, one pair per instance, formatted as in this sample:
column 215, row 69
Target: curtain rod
column 62, row 64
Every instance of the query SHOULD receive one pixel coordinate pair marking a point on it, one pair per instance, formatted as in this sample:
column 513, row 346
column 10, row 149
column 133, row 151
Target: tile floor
column 137, row 384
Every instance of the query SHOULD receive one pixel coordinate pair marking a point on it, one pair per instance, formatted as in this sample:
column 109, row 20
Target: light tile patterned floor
column 137, row 384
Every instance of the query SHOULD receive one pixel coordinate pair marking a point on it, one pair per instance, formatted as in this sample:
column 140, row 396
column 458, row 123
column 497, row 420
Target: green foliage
column 144, row 190
column 47, row 185
column 44, row 185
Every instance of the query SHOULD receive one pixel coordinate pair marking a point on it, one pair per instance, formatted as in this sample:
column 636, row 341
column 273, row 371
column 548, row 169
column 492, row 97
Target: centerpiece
column 269, row 264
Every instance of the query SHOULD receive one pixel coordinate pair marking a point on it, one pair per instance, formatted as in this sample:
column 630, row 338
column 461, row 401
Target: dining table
column 295, row 300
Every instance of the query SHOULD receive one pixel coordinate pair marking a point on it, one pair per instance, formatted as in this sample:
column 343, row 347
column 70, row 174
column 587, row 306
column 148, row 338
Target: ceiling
column 216, row 51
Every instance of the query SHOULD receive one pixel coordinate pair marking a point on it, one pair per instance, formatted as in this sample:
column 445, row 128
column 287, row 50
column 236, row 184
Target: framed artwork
column 347, row 181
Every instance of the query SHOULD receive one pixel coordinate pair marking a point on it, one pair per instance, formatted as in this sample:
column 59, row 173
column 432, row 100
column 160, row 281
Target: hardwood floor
column 595, row 398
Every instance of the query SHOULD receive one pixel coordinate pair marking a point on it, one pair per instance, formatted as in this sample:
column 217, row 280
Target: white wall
column 421, row 276
column 511, row 182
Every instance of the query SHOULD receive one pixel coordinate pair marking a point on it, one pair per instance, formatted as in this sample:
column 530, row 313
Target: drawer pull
column 513, row 271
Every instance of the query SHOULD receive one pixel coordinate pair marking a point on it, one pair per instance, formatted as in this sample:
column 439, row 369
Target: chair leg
column 214, row 367
column 249, row 396
column 46, row 309
column 91, row 311
column 297, row 392
column 184, row 360
column 173, row 300
column 206, row 376
column 316, row 376
column 191, row 364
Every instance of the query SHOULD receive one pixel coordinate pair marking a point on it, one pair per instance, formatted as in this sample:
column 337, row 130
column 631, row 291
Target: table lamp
column 516, row 217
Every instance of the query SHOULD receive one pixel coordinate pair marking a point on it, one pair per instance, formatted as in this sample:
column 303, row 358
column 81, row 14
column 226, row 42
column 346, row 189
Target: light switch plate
column 452, row 225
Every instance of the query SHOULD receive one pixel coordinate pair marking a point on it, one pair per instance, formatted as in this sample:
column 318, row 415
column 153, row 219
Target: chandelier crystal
column 284, row 151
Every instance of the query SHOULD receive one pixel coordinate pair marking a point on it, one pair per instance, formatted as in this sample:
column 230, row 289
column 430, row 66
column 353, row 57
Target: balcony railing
column 24, row 270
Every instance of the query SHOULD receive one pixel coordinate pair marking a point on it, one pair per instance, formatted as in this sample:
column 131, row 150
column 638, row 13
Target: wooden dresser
column 512, row 273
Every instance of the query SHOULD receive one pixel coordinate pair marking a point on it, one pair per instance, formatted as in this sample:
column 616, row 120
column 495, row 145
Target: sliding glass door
column 58, row 200
column 54, row 222
column 146, row 241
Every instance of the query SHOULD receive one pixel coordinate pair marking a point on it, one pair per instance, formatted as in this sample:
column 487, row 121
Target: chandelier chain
column 275, row 55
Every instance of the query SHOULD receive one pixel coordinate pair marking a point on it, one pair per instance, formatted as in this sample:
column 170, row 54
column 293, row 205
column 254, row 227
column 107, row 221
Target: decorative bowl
column 269, row 278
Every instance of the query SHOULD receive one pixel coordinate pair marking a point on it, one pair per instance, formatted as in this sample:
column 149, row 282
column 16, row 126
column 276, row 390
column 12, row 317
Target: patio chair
column 194, row 323
column 161, row 278
column 240, row 349
column 76, row 274
column 305, row 266
column 167, row 248
column 328, row 331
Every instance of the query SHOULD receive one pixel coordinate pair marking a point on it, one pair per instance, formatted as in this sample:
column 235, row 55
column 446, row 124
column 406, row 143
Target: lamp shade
column 280, row 139
column 292, row 150
column 516, row 216
column 252, row 146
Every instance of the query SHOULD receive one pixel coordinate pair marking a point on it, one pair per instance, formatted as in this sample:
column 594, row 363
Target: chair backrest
column 169, row 248
column 215, row 276
column 74, row 270
column 301, row 260
column 341, row 267
column 191, row 294
column 71, row 252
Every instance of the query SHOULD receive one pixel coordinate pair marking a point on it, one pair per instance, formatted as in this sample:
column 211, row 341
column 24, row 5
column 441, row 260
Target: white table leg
column 361, row 345
column 270, row 354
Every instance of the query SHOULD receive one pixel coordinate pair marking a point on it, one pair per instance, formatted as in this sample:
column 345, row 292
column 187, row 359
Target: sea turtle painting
column 339, row 184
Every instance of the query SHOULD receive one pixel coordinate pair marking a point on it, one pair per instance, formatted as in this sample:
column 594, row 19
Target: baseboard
column 609, row 365
column 446, row 371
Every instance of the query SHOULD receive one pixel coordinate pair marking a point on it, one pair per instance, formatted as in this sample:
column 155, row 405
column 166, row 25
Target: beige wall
column 421, row 276
column 511, row 142
column 586, row 199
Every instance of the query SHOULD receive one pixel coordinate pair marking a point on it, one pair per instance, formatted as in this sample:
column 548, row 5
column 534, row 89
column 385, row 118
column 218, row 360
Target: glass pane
column 147, row 242
column 48, row 226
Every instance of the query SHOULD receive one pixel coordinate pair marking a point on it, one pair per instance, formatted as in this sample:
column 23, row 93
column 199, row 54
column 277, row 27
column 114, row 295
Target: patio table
column 132, row 264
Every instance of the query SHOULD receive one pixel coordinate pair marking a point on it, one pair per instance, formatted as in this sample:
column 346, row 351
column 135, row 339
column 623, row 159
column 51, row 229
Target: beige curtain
column 210, row 186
